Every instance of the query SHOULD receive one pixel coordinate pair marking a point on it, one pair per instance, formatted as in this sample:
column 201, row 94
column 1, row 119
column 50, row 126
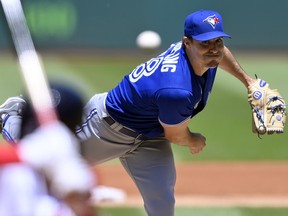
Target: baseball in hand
column 148, row 40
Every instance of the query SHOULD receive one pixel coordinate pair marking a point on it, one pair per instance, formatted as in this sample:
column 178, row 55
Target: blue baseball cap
column 204, row 25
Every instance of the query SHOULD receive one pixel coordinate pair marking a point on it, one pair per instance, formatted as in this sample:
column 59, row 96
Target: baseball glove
column 268, row 108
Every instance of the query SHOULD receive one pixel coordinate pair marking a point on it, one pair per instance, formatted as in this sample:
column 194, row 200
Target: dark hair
column 68, row 106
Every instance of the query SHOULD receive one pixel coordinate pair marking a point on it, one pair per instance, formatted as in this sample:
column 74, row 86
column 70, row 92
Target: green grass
column 231, row 211
column 226, row 121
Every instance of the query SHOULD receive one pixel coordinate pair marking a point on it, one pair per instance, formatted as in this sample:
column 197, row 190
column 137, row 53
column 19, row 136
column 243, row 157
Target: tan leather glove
column 268, row 108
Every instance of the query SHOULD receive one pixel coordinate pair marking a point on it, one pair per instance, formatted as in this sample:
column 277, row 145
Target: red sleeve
column 8, row 154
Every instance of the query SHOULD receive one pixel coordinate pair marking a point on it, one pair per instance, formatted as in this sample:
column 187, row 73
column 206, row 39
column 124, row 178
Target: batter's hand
column 197, row 143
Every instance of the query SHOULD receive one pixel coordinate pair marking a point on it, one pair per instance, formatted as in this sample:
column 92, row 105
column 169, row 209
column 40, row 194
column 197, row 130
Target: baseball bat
column 30, row 65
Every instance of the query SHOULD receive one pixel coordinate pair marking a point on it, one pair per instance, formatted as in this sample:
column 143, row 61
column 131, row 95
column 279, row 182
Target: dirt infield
column 215, row 183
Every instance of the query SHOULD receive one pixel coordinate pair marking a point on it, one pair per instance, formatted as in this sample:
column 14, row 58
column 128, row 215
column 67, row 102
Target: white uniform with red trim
column 23, row 192
column 53, row 150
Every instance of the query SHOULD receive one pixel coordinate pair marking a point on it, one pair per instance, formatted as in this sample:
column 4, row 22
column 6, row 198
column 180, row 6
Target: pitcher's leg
column 11, row 128
column 10, row 118
column 152, row 168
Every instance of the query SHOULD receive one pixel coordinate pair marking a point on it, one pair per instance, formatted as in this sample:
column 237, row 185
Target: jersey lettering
column 169, row 63
column 171, row 60
column 145, row 69
column 148, row 68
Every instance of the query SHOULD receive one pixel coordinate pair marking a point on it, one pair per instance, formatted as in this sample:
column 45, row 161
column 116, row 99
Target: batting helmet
column 68, row 105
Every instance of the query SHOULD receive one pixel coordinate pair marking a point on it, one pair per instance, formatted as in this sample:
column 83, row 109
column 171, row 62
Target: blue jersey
column 163, row 89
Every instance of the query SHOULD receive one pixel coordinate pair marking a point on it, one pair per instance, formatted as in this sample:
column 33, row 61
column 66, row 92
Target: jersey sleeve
column 175, row 105
column 8, row 154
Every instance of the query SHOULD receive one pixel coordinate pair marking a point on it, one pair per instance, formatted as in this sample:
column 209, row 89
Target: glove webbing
column 258, row 115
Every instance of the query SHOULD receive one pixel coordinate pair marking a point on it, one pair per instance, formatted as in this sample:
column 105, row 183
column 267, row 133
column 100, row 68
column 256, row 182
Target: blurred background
column 92, row 44
column 112, row 24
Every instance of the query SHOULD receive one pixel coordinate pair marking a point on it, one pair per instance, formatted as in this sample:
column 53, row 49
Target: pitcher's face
column 207, row 53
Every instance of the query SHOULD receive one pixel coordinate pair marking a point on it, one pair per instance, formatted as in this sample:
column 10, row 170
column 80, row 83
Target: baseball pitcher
column 151, row 108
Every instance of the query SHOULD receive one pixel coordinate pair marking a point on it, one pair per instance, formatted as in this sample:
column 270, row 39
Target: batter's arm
column 181, row 135
column 230, row 64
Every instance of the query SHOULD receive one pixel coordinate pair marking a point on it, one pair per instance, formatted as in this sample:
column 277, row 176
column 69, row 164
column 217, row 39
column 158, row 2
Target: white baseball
column 148, row 40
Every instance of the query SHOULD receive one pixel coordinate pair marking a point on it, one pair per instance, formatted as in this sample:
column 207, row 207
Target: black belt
column 110, row 121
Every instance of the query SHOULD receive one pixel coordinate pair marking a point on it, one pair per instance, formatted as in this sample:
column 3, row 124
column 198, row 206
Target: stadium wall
column 92, row 24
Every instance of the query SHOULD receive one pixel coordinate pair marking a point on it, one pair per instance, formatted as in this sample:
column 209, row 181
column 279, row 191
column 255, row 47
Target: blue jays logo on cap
column 204, row 25
column 212, row 20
